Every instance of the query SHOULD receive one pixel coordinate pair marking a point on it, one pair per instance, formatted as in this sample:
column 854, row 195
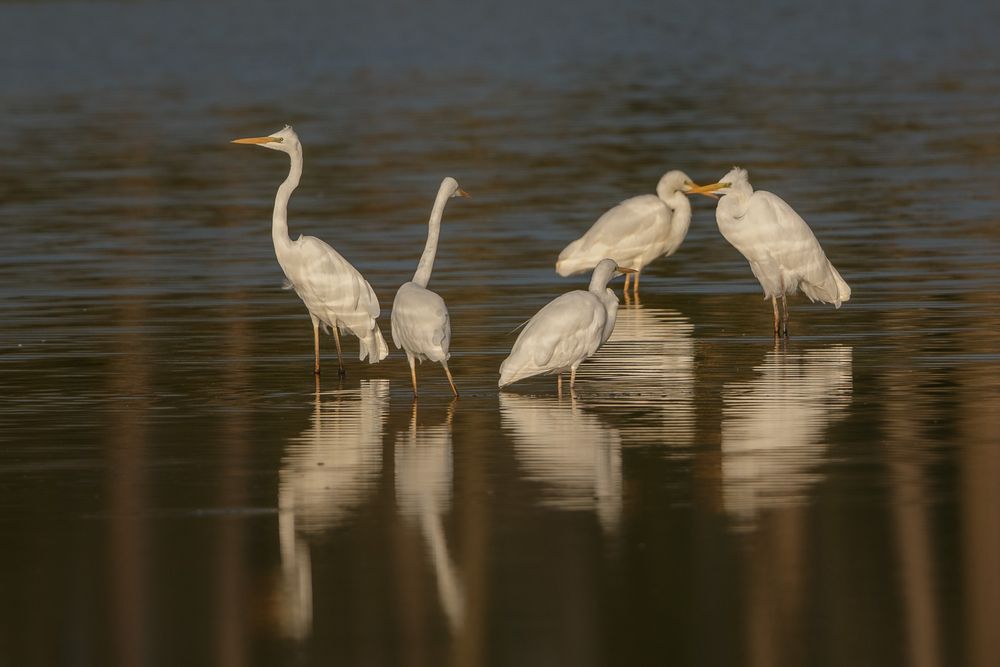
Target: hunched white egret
column 636, row 231
column 783, row 252
column 566, row 331
column 335, row 293
column 420, row 323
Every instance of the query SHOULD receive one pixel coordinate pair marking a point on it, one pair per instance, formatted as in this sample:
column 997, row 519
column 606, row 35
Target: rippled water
column 175, row 488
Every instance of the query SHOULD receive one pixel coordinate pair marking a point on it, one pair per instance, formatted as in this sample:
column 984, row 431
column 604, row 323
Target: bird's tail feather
column 373, row 346
column 833, row 289
column 570, row 262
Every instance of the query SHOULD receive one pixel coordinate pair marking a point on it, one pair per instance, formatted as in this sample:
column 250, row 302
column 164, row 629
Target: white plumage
column 783, row 252
column 335, row 293
column 636, row 231
column 566, row 331
column 420, row 323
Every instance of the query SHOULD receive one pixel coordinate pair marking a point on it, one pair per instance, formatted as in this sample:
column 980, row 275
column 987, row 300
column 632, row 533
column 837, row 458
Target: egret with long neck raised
column 337, row 296
column 420, row 323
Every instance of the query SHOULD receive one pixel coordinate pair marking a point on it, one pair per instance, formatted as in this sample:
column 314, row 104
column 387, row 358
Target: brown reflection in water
column 129, row 379
column 978, row 399
column 231, row 574
column 910, row 413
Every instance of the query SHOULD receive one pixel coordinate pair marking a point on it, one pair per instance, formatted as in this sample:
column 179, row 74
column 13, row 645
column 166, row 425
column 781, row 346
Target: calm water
column 176, row 489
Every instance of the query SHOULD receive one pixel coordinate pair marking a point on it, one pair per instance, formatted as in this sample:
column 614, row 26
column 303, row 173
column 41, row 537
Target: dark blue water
column 176, row 489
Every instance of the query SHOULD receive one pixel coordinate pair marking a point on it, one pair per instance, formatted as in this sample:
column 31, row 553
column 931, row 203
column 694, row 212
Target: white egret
column 566, row 331
column 420, row 323
column 335, row 293
column 783, row 253
column 636, row 231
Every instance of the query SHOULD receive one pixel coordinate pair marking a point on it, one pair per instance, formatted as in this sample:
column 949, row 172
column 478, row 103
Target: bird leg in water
column 413, row 374
column 340, row 358
column 635, row 284
column 774, row 304
column 559, row 384
column 572, row 381
column 625, row 289
column 784, row 317
column 316, row 346
column 450, row 380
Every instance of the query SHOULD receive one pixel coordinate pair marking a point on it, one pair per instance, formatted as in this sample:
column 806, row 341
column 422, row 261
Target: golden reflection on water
column 574, row 454
column 424, row 476
column 326, row 472
column 773, row 426
column 648, row 363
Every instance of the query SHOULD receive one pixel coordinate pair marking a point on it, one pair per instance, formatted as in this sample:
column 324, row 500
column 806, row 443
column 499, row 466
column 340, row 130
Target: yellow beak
column 258, row 140
column 463, row 193
column 705, row 189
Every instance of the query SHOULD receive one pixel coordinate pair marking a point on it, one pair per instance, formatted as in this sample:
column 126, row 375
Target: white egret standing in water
column 420, row 323
column 566, row 331
column 783, row 253
column 635, row 232
column 335, row 293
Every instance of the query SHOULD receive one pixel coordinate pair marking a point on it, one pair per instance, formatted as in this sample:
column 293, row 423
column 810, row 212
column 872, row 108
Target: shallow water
column 176, row 489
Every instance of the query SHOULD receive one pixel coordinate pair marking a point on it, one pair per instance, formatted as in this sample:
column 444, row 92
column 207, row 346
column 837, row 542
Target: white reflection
column 576, row 455
column 773, row 426
column 423, row 494
column 326, row 472
column 649, row 360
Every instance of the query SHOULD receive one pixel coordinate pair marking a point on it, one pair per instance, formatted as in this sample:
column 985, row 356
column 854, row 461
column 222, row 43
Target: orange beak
column 258, row 140
column 706, row 189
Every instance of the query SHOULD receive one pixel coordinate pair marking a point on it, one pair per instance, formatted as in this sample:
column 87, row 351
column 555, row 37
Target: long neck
column 279, row 220
column 736, row 201
column 601, row 277
column 426, row 264
column 681, row 218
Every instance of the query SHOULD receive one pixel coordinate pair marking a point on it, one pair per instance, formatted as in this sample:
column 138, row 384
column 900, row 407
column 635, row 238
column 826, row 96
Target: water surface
column 176, row 488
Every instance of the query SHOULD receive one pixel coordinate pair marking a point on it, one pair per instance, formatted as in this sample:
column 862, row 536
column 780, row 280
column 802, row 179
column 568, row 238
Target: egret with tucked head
column 420, row 323
column 636, row 231
column 783, row 252
column 337, row 296
column 566, row 331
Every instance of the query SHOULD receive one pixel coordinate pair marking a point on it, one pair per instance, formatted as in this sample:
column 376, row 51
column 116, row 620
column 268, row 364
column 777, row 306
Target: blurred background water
column 176, row 489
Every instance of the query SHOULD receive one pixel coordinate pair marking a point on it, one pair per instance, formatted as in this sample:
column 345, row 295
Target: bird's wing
column 789, row 241
column 622, row 233
column 567, row 329
column 331, row 288
column 420, row 322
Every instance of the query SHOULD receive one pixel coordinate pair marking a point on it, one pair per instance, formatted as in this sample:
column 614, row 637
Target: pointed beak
column 706, row 189
column 258, row 140
column 463, row 193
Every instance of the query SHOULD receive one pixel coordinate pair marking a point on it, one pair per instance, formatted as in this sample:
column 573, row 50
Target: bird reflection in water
column 423, row 477
column 773, row 426
column 572, row 452
column 326, row 472
column 649, row 360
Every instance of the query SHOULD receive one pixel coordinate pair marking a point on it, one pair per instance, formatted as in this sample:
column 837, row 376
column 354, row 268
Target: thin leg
column 774, row 303
column 559, row 384
column 625, row 289
column 572, row 381
column 635, row 285
column 340, row 357
column 784, row 318
column 413, row 374
column 450, row 380
column 316, row 346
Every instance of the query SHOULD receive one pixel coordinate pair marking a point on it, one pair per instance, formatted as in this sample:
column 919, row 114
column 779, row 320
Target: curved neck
column 279, row 219
column 680, row 203
column 737, row 199
column 600, row 279
column 426, row 264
